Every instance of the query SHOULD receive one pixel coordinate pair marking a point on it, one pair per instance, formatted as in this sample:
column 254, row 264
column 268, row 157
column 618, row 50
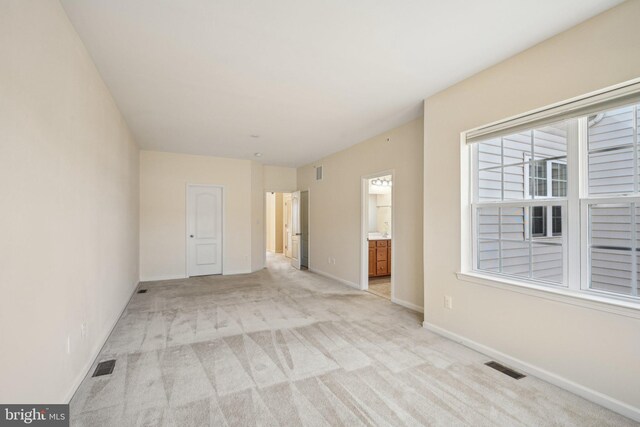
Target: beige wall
column 592, row 348
column 69, row 206
column 335, row 211
column 163, row 181
column 281, row 179
column 258, row 256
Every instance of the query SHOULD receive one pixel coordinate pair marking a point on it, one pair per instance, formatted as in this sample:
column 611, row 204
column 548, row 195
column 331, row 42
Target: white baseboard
column 337, row 279
column 181, row 276
column 161, row 278
column 234, row 273
column 407, row 304
column 95, row 352
column 555, row 379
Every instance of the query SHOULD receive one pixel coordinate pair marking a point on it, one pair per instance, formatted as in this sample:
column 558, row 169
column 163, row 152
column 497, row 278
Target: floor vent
column 142, row 291
column 507, row 371
column 104, row 368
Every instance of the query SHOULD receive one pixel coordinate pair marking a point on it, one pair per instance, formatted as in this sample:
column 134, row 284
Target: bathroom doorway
column 377, row 234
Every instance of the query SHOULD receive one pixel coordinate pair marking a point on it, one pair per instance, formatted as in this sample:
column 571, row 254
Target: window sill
column 566, row 296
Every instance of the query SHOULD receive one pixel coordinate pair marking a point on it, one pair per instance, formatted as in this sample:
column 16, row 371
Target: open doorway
column 287, row 226
column 377, row 230
column 278, row 223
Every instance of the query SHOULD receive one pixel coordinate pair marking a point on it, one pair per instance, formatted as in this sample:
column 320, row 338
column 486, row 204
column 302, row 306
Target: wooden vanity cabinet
column 379, row 258
column 372, row 258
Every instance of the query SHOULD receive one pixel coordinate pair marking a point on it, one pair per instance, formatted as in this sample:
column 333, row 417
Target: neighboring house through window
column 574, row 171
column 547, row 179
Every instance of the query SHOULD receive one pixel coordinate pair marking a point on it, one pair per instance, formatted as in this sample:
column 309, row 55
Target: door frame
column 296, row 233
column 186, row 224
column 284, row 230
column 308, row 191
column 264, row 217
column 364, row 231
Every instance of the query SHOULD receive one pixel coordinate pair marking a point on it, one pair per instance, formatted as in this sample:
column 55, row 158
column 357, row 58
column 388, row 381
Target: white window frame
column 633, row 199
column 527, row 204
column 575, row 234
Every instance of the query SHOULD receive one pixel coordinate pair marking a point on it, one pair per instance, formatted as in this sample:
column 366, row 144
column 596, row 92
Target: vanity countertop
column 377, row 236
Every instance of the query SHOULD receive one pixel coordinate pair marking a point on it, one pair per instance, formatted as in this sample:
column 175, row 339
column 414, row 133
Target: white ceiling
column 311, row 77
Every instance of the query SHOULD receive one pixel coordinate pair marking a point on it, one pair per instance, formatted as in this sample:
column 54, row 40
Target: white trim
column 161, row 278
column 337, row 279
column 590, row 300
column 572, row 230
column 408, row 305
column 308, row 190
column 583, row 186
column 550, row 377
column 182, row 277
column 236, row 272
column 468, row 195
column 364, row 234
column 264, row 233
column 97, row 349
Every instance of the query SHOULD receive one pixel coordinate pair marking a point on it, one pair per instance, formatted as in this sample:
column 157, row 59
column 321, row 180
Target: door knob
column 191, row 235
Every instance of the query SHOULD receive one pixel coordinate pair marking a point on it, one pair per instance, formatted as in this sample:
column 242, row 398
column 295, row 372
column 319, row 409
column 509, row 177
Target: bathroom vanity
column 379, row 257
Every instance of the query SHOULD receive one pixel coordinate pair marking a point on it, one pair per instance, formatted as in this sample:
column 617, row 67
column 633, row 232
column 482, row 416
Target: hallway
column 288, row 347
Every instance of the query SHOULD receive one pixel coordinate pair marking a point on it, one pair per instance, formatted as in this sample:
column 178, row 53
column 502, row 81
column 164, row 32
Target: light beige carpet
column 291, row 348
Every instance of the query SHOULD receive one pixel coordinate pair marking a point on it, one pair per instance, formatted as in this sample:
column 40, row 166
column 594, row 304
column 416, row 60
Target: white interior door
column 296, row 231
column 204, row 230
column 304, row 229
column 287, row 225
